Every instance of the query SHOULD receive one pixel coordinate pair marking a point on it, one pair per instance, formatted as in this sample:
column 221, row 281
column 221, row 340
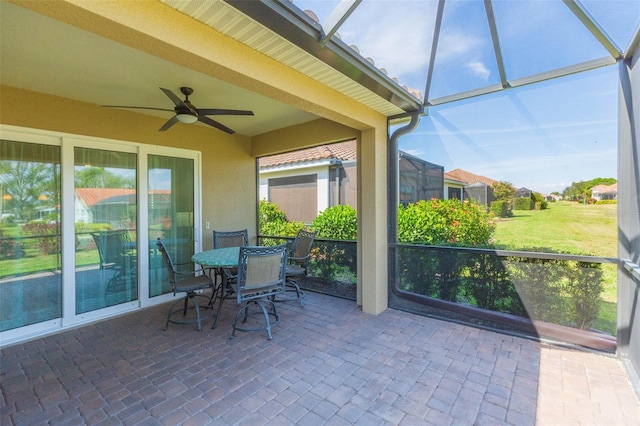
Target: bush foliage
column 445, row 222
column 338, row 223
column 522, row 203
column 273, row 221
column 558, row 291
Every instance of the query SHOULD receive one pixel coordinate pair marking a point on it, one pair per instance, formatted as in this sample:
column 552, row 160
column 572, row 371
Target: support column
column 372, row 219
column 628, row 336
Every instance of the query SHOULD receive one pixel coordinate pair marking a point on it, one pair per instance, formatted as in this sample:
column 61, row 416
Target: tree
column 582, row 190
column 504, row 191
column 29, row 185
column 99, row 177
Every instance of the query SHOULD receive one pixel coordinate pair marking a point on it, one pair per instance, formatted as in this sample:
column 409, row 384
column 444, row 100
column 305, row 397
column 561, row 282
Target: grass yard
column 571, row 228
column 564, row 227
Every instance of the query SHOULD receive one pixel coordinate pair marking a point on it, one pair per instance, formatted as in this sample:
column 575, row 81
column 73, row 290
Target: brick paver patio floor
column 328, row 363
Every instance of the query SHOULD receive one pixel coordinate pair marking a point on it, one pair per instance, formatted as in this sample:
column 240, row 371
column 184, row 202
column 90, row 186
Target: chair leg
column 171, row 311
column 196, row 306
column 299, row 294
column 186, row 305
column 265, row 312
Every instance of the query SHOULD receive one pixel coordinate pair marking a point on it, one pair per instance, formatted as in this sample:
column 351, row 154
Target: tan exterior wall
column 229, row 171
column 224, row 200
column 313, row 133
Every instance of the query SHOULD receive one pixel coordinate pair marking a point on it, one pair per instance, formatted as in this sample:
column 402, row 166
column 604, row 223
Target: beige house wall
column 229, row 169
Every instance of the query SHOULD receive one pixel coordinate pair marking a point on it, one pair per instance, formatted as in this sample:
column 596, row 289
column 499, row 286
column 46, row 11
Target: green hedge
column 522, row 203
column 500, row 208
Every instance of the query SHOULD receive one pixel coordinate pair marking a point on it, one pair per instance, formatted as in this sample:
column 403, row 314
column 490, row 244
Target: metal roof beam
column 561, row 72
column 488, row 6
column 434, row 49
column 337, row 17
column 592, row 25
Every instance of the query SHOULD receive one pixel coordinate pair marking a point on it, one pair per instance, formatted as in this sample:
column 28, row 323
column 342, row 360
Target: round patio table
column 218, row 258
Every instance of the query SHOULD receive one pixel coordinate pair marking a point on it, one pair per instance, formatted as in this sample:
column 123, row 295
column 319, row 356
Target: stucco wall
column 226, row 203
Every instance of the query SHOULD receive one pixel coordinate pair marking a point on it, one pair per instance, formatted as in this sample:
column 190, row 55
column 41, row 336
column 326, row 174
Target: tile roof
column 468, row 177
column 93, row 196
column 605, row 188
column 343, row 151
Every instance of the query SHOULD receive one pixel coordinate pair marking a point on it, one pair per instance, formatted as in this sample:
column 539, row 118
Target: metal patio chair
column 193, row 283
column 261, row 277
column 116, row 255
column 298, row 261
column 222, row 239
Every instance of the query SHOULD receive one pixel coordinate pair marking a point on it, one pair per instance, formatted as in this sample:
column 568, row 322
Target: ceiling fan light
column 187, row 118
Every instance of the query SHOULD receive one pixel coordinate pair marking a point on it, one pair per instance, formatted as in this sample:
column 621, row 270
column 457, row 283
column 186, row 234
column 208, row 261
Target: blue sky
column 542, row 136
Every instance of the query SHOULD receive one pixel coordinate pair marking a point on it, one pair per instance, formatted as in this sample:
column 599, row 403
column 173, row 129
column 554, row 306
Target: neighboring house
column 465, row 185
column 117, row 205
column 304, row 183
column 605, row 192
column 419, row 179
column 524, row 193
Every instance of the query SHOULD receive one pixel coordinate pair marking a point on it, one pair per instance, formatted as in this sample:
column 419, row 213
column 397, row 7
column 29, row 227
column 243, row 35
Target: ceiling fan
column 186, row 112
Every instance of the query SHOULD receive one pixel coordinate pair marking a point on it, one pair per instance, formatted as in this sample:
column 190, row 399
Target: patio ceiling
column 405, row 58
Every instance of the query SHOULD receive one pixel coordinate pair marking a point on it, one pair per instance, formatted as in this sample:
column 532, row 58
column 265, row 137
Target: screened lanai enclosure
column 537, row 94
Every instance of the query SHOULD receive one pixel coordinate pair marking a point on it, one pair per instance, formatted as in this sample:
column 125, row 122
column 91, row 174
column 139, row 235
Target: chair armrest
column 191, row 272
column 298, row 258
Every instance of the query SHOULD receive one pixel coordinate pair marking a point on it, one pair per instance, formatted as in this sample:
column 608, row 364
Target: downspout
column 393, row 177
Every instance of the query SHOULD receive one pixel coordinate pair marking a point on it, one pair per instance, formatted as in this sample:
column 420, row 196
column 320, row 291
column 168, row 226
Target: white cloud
column 478, row 69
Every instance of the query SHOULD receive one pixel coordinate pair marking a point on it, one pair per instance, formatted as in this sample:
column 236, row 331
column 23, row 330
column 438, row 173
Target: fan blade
column 176, row 100
column 210, row 122
column 173, row 120
column 211, row 111
column 136, row 107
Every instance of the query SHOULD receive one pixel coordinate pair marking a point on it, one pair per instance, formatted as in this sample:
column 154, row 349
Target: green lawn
column 573, row 228
column 564, row 227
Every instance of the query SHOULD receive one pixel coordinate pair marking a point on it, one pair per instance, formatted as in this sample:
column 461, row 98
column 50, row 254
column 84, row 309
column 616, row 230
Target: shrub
column 338, row 222
column 540, row 201
column 331, row 259
column 49, row 233
column 273, row 221
column 607, row 202
column 522, row 203
column 585, row 287
column 8, row 247
column 445, row 222
column 500, row 208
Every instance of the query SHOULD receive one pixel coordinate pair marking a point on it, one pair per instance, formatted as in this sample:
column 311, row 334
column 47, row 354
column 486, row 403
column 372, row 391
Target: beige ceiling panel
column 227, row 20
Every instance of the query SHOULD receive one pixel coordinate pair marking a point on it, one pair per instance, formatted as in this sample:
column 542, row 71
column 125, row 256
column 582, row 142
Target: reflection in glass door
column 30, row 263
column 171, row 209
column 105, row 222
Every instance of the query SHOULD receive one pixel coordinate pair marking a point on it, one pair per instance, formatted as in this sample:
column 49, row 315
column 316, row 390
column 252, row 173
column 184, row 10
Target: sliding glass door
column 105, row 228
column 30, row 261
column 170, row 201
column 79, row 221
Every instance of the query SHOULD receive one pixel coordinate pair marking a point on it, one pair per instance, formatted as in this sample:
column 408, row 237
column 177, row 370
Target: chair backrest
column 168, row 263
column 111, row 247
column 222, row 239
column 301, row 249
column 261, row 271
